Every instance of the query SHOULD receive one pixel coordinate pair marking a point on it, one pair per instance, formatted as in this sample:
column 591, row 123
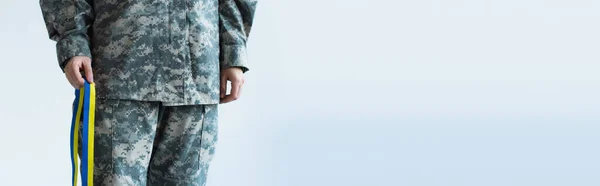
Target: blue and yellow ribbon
column 83, row 106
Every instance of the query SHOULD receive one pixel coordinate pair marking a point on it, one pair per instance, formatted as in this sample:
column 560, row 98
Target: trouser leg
column 184, row 146
column 124, row 135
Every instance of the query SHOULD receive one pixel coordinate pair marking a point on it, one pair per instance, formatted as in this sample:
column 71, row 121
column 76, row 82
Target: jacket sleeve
column 67, row 23
column 235, row 23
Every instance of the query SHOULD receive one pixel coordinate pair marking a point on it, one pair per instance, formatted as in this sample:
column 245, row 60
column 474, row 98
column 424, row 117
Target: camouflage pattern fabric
column 148, row 144
column 153, row 50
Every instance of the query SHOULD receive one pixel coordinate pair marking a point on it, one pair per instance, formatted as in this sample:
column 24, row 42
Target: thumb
column 223, row 85
column 87, row 66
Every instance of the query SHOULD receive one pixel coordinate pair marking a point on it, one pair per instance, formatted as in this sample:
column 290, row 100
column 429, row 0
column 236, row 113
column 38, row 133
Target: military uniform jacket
column 170, row 51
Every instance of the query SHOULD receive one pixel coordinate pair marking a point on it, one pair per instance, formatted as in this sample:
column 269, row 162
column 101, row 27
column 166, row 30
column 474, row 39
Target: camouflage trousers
column 148, row 144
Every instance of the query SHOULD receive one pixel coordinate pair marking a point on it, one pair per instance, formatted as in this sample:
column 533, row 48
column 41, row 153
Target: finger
column 87, row 66
column 69, row 78
column 77, row 78
column 71, row 75
column 227, row 99
column 223, row 86
column 234, row 94
column 239, row 92
column 235, row 89
column 231, row 96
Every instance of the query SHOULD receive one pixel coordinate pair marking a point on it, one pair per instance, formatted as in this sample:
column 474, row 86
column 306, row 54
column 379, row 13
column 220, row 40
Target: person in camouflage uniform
column 161, row 69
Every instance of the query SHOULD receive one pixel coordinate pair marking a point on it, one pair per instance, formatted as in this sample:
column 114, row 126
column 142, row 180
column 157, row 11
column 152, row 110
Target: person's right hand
column 73, row 71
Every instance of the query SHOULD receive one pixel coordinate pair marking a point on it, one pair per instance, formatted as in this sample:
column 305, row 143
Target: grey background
column 362, row 93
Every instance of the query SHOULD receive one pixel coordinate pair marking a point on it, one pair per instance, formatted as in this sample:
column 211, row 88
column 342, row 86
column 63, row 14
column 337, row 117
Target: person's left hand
column 236, row 76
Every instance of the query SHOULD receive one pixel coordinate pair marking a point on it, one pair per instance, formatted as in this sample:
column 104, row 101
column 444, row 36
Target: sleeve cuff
column 234, row 56
column 69, row 47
